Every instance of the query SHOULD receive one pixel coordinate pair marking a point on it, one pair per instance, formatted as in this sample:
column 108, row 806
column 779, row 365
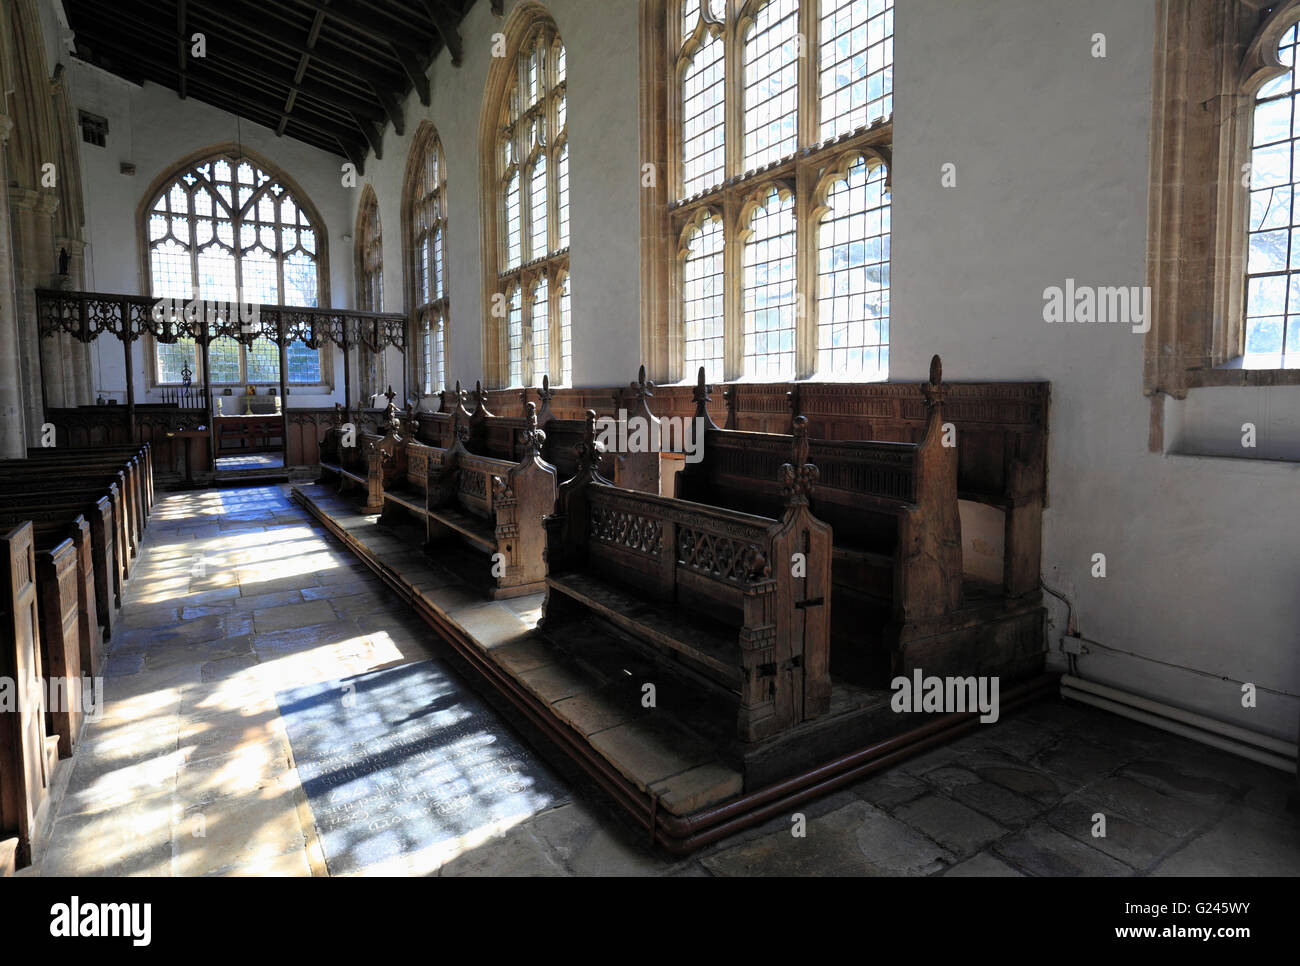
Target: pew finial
column 702, row 395
column 480, row 397
column 933, row 390
column 532, row 437
column 643, row 388
column 637, row 397
column 544, row 395
column 799, row 477
column 590, row 449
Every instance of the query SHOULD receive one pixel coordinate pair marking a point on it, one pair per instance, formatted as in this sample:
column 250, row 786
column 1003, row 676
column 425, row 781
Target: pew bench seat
column 479, row 532
column 708, row 648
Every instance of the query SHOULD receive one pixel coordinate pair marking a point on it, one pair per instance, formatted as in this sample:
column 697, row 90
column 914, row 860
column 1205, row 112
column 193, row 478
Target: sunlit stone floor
column 238, row 595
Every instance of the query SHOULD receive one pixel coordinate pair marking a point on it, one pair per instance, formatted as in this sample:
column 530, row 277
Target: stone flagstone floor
column 239, row 594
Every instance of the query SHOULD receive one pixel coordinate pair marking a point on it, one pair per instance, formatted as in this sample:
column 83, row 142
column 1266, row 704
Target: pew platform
column 678, row 767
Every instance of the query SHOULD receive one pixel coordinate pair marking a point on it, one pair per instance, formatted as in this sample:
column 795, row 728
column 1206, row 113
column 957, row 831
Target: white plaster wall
column 1051, row 149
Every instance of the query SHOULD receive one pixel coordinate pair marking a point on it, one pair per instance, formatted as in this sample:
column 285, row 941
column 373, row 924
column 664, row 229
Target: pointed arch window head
column 768, row 293
column 515, row 334
column 228, row 229
column 853, row 237
column 1272, row 318
column 530, row 206
column 539, row 320
column 424, row 216
column 703, row 293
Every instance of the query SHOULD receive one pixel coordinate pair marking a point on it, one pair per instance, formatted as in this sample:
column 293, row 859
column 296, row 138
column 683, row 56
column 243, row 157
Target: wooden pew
column 711, row 593
column 348, row 459
column 107, row 457
column 108, row 565
column 31, row 492
column 27, row 756
column 502, row 437
column 48, row 492
column 71, row 638
column 494, row 507
column 893, row 508
column 19, row 476
column 58, row 574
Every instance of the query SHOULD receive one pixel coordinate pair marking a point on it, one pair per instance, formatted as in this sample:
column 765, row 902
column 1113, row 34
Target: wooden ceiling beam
column 220, row 95
column 248, row 20
column 354, row 153
column 304, row 59
column 331, row 72
column 448, row 24
column 381, row 86
column 417, row 74
column 181, row 44
column 343, row 104
column 373, row 137
column 412, row 37
column 393, row 108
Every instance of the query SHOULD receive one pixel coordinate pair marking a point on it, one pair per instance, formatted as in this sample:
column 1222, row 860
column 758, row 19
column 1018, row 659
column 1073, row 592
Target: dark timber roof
column 330, row 73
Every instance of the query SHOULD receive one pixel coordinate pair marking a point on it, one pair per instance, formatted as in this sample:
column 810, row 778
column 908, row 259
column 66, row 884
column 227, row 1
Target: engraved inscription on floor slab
column 404, row 769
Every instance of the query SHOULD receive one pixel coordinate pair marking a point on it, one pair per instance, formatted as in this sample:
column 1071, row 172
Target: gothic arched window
column 228, row 229
column 425, row 216
column 530, row 206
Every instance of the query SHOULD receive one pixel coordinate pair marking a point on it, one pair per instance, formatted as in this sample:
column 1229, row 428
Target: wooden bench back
column 880, row 497
column 474, row 479
column 1001, row 426
column 23, row 775
column 864, row 486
